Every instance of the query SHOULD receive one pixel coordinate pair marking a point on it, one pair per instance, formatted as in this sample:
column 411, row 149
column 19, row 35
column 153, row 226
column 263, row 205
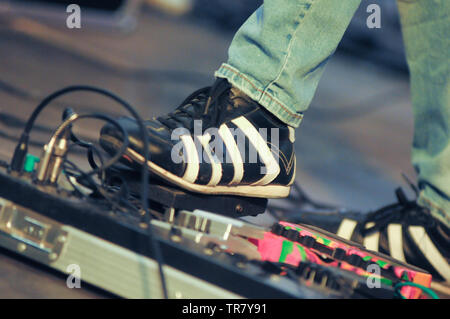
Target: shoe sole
column 268, row 191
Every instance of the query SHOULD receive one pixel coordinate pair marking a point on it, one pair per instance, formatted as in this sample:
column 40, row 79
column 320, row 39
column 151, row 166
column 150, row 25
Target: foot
column 404, row 230
column 218, row 141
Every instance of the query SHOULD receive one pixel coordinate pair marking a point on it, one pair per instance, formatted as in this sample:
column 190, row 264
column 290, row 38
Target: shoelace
column 404, row 211
column 205, row 103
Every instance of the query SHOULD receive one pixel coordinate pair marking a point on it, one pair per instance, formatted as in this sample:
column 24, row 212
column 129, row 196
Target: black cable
column 92, row 185
column 91, row 149
column 87, row 177
column 22, row 149
column 67, row 167
column 121, row 150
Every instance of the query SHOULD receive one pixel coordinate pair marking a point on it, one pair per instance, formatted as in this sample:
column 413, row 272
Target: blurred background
column 352, row 146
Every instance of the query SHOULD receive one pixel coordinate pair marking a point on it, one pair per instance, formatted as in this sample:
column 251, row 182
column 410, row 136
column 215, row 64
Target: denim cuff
column 255, row 90
column 439, row 207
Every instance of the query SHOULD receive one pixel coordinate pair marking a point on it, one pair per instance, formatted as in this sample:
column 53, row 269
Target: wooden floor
column 352, row 147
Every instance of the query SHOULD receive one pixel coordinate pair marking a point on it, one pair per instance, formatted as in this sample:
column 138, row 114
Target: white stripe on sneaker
column 233, row 152
column 371, row 241
column 268, row 191
column 346, row 228
column 430, row 251
column 271, row 165
column 395, row 240
column 193, row 165
column 216, row 166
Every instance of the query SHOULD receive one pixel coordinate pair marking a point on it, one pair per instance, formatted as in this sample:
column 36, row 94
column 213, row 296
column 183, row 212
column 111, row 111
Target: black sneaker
column 404, row 231
column 218, row 141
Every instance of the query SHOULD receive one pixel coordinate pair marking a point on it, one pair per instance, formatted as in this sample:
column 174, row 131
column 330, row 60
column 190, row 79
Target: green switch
column 30, row 162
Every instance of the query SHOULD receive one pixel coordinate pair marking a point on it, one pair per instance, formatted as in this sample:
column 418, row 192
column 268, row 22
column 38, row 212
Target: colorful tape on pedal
column 290, row 243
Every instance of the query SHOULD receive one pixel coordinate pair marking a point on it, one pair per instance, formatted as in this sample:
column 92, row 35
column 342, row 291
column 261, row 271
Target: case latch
column 30, row 234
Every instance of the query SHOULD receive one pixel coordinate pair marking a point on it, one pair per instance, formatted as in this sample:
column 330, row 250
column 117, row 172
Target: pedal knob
column 307, row 241
column 292, row 235
column 355, row 260
column 339, row 254
column 277, row 229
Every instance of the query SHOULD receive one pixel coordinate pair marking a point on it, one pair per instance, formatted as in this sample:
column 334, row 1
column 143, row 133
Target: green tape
column 302, row 252
column 386, row 281
column 382, row 280
column 286, row 249
column 326, row 241
column 381, row 263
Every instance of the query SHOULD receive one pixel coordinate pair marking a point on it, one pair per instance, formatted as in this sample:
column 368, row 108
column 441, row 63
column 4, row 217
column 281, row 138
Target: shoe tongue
column 219, row 86
column 238, row 97
column 183, row 119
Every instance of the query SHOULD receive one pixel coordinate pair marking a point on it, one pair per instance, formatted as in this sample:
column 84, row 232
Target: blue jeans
column 278, row 56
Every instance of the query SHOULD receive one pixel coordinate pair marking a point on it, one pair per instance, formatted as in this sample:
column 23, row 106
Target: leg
column 278, row 55
column 426, row 25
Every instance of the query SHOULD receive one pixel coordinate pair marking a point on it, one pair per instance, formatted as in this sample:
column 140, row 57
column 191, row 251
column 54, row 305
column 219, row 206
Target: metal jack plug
column 54, row 152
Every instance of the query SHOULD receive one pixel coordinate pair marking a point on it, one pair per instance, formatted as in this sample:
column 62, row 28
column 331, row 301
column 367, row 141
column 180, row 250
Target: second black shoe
column 218, row 141
column 403, row 230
